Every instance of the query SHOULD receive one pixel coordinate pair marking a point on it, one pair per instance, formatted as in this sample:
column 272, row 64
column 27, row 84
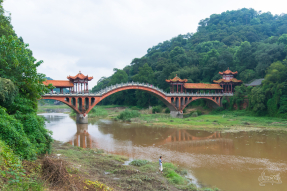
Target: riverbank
column 75, row 168
column 53, row 108
column 212, row 121
column 197, row 118
column 203, row 119
column 109, row 169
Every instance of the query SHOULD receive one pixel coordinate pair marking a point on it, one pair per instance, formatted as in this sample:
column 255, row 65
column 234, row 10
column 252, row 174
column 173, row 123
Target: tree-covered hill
column 244, row 40
column 22, row 131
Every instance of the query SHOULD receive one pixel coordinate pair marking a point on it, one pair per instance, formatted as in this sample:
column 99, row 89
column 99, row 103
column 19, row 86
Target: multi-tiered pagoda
column 228, row 81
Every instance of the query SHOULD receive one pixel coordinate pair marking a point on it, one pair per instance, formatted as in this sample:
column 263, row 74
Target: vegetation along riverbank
column 195, row 117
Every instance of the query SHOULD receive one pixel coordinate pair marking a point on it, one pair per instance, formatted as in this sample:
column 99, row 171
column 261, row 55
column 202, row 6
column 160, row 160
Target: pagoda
column 75, row 84
column 176, row 81
column 79, row 81
column 228, row 81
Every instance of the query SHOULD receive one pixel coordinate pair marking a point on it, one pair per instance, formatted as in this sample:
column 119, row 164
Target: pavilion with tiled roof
column 191, row 87
column 79, row 81
column 75, row 84
column 228, row 81
column 176, row 81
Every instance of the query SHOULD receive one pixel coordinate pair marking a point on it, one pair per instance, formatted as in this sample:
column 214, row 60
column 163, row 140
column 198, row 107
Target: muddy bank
column 114, row 172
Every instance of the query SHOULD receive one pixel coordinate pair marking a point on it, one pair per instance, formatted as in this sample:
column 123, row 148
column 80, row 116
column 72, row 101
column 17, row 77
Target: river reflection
column 228, row 160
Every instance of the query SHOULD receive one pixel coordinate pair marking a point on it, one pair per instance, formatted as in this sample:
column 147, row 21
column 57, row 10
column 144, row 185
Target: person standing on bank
column 160, row 164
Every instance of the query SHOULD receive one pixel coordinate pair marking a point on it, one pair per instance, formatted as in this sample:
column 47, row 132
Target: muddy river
column 231, row 161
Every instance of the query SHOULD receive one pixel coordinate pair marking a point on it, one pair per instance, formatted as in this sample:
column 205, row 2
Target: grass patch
column 174, row 177
column 127, row 115
column 139, row 162
column 50, row 108
column 225, row 120
column 97, row 111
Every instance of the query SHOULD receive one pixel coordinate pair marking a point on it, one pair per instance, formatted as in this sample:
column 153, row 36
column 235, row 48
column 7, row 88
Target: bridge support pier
column 81, row 118
column 176, row 114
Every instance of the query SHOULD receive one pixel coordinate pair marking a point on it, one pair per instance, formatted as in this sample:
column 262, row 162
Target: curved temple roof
column 80, row 76
column 176, row 79
column 231, row 80
column 202, row 86
column 226, row 72
column 59, row 83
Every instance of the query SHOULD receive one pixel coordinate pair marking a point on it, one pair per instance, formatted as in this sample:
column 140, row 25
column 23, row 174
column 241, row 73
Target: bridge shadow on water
column 173, row 139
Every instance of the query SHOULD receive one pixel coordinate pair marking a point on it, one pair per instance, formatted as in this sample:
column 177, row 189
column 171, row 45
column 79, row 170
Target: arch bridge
column 82, row 103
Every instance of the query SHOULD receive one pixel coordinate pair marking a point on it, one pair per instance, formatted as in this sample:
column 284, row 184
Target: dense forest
column 23, row 134
column 245, row 40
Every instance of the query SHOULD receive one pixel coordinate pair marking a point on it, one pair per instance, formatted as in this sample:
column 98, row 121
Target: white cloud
column 95, row 36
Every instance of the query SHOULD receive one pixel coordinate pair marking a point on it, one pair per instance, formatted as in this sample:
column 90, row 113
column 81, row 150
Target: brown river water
column 231, row 161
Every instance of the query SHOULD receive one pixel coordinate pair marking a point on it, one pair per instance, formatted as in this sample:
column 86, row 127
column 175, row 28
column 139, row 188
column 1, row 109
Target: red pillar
column 176, row 88
column 181, row 88
column 83, row 104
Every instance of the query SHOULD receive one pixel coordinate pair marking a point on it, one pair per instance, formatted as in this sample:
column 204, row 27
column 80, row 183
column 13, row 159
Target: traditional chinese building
column 80, row 82
column 75, row 84
column 178, row 85
column 228, row 81
column 224, row 85
column 177, row 82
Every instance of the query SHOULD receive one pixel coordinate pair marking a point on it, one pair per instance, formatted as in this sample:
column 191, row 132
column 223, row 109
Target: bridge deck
column 135, row 86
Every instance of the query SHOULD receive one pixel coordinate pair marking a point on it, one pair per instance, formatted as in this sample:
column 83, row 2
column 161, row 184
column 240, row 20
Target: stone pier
column 176, row 114
column 82, row 119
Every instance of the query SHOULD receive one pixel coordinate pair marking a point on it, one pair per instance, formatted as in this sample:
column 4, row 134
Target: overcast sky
column 95, row 36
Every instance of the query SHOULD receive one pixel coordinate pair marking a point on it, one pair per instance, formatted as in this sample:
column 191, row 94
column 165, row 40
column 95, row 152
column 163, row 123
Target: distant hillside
column 244, row 40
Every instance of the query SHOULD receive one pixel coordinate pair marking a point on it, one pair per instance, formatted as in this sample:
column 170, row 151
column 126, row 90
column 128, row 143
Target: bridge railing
column 116, row 86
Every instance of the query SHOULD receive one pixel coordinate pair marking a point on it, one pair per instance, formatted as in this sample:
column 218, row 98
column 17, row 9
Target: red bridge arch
column 83, row 103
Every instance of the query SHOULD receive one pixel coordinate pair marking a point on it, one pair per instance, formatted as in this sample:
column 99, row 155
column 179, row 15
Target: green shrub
column 8, row 92
column 25, row 134
column 139, row 162
column 184, row 110
column 127, row 114
column 73, row 113
column 135, row 108
column 199, row 112
column 12, row 173
column 173, row 177
column 156, row 109
column 167, row 110
column 194, row 114
column 170, row 173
